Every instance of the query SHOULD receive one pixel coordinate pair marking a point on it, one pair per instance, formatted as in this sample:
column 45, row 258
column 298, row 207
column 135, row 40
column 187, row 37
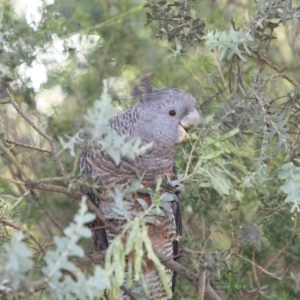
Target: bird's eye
column 172, row 112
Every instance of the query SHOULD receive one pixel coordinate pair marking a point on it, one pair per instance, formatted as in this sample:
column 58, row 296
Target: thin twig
column 36, row 185
column 255, row 277
column 38, row 286
column 43, row 134
column 28, row 146
column 12, row 158
column 51, row 188
column 44, row 247
column 91, row 259
column 49, row 179
column 271, row 65
column 4, row 102
column 4, row 237
column 230, row 73
column 250, row 294
column 76, row 194
column 210, row 293
column 210, row 98
column 12, row 180
column 239, row 73
column 257, row 266
column 275, row 256
column 202, row 285
column 128, row 293
column 24, row 231
column 187, row 250
column 36, row 198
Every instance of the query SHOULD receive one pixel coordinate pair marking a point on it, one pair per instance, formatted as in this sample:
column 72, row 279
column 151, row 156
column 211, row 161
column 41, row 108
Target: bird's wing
column 97, row 226
column 177, row 243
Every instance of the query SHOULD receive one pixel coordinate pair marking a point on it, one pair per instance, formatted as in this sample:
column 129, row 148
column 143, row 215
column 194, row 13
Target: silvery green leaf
column 114, row 154
column 291, row 187
column 146, row 191
column 156, row 211
column 228, row 44
column 143, row 203
column 3, row 287
column 149, row 219
column 15, row 260
column 168, row 197
column 84, row 232
column 166, row 207
column 72, row 141
column 88, row 217
column 69, row 266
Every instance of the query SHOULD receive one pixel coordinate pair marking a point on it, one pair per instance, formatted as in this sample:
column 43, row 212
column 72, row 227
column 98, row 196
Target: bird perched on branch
column 161, row 118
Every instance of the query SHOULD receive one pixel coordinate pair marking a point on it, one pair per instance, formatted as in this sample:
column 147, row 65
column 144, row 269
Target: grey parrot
column 161, row 118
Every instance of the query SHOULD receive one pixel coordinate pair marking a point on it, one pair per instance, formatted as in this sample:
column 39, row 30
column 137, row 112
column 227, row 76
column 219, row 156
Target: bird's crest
column 144, row 86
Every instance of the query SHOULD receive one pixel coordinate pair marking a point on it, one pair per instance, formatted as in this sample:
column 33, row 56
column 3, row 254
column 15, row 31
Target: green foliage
column 16, row 259
column 291, row 175
column 228, row 44
column 58, row 260
column 15, row 262
column 176, row 21
column 240, row 170
column 137, row 244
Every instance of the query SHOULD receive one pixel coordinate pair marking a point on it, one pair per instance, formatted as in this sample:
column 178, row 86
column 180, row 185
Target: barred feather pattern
column 150, row 120
column 162, row 234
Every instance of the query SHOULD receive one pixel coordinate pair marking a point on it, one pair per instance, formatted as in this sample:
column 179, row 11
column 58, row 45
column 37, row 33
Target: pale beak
column 192, row 119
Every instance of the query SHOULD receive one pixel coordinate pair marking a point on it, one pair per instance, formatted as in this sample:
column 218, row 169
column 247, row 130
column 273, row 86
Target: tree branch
column 76, row 194
column 202, row 285
column 6, row 223
column 44, row 135
column 128, row 293
column 4, row 102
column 36, row 198
column 27, row 146
column 12, row 159
column 272, row 66
column 258, row 267
column 210, row 293
column 93, row 258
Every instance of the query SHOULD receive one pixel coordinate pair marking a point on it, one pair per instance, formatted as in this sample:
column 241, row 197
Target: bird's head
column 165, row 116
